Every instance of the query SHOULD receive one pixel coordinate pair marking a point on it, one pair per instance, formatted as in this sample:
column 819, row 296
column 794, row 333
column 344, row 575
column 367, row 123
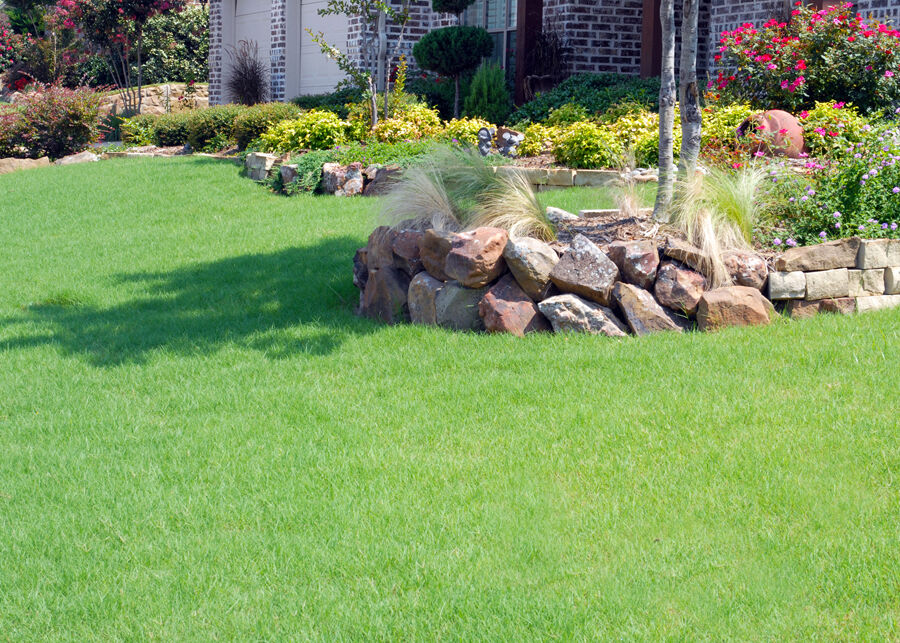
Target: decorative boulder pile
column 841, row 276
column 485, row 280
column 337, row 179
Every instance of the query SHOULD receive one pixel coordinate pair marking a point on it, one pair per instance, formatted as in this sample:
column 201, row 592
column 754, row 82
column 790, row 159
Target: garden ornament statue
column 776, row 133
column 505, row 140
column 485, row 140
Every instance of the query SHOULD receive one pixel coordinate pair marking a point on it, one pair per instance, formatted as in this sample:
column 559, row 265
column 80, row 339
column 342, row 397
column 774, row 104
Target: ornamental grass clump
column 456, row 189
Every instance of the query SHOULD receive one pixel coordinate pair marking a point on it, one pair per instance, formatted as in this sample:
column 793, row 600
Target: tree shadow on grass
column 290, row 302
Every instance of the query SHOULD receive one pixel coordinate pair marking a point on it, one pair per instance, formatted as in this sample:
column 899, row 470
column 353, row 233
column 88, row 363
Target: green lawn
column 199, row 440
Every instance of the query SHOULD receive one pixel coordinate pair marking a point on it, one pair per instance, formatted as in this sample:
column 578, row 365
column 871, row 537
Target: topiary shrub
column 315, row 130
column 464, row 130
column 254, row 121
column 451, row 51
column 415, row 123
column 138, row 130
column 594, row 92
column 213, row 127
column 170, row 130
column 488, row 97
column 588, row 145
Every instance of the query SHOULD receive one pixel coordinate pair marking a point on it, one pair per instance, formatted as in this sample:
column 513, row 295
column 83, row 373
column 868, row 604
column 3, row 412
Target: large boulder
column 342, row 180
column 636, row 260
column 571, row 313
column 407, row 255
column 379, row 250
column 74, row 159
column 360, row 268
column 679, row 288
column 434, row 246
column 505, row 308
column 823, row 256
column 531, row 262
column 380, row 179
column 8, row 165
column 586, row 271
column 456, row 307
column 642, row 312
column 733, row 306
column 259, row 164
column 385, row 296
column 558, row 215
column 422, row 298
column 476, row 257
column 746, row 268
column 681, row 250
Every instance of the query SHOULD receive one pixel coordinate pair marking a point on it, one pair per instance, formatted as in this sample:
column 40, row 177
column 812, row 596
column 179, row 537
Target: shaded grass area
column 198, row 439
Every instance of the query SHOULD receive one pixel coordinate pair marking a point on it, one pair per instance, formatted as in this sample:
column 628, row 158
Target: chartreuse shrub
column 488, row 95
column 817, row 56
column 538, row 139
column 464, row 130
column 831, row 129
column 138, row 130
column 209, row 130
column 588, row 145
column 415, row 122
column 170, row 130
column 315, row 130
column 566, row 115
column 336, row 101
column 632, row 123
column 251, row 123
column 720, row 143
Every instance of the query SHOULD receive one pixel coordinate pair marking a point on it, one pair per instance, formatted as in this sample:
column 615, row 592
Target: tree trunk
column 373, row 101
column 140, row 72
column 381, row 72
column 456, row 97
column 688, row 93
column 666, row 113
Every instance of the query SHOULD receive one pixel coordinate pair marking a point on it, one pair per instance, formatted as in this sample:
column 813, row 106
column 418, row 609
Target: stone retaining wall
column 840, row 276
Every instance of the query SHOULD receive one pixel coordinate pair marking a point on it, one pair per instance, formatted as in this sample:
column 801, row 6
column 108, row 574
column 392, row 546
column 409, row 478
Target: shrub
column 315, row 130
column 336, row 101
column 209, row 128
column 817, row 56
column 489, row 97
column 451, row 51
column 588, row 145
column 55, row 121
column 248, row 80
column 309, row 170
column 635, row 125
column 566, row 115
column 538, row 139
column 415, row 123
column 439, row 92
column 138, row 130
column 176, row 46
column 251, row 123
column 10, row 124
column 170, row 130
column 402, row 153
column 594, row 92
column 720, row 143
column 464, row 130
column 831, row 129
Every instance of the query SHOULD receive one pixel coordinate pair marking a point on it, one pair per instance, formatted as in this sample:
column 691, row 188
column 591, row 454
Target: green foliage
column 594, row 92
column 208, row 128
column 489, row 97
column 566, row 115
column 253, row 122
column 413, row 123
column 138, row 130
column 336, row 101
column 309, row 171
column 315, row 130
column 176, row 46
column 588, row 145
column 830, row 128
column 170, row 130
column 452, row 50
column 464, row 130
column 634, row 126
column 538, row 139
column 439, row 92
column 451, row 6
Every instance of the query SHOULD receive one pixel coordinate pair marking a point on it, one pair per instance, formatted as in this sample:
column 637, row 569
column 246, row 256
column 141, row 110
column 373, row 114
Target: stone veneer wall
column 216, row 51
column 277, row 51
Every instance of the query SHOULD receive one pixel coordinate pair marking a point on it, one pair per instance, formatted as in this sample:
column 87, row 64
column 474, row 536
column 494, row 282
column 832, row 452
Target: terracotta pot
column 782, row 133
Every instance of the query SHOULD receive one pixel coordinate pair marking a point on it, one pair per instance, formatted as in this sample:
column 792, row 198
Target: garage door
column 317, row 72
column 251, row 23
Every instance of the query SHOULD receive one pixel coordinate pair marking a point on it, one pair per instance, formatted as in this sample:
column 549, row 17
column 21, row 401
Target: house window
column 499, row 18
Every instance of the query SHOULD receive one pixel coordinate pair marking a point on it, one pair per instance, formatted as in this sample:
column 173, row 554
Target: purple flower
column 836, row 215
column 896, row 190
column 861, row 228
column 857, row 155
column 790, row 242
column 872, row 221
column 804, row 198
column 777, row 242
column 893, row 226
column 884, row 226
column 823, row 234
column 792, row 199
column 837, row 226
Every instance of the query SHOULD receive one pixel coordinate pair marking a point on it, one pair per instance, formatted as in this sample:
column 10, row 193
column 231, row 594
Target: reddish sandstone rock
column 405, row 245
column 822, row 256
column 385, row 296
column 733, row 306
column 643, row 314
column 636, row 260
column 679, row 288
column 379, row 251
column 422, row 295
column 433, row 249
column 746, row 268
column 506, row 308
column 682, row 251
column 360, row 269
column 476, row 257
column 586, row 271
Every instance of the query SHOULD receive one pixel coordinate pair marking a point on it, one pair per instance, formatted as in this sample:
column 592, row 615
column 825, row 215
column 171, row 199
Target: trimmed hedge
column 251, row 123
column 213, row 127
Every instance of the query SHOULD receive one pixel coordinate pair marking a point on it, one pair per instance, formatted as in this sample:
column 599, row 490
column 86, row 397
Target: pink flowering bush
column 830, row 129
column 831, row 54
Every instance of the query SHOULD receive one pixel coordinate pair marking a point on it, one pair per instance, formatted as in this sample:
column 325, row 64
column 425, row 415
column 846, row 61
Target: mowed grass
column 199, row 440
